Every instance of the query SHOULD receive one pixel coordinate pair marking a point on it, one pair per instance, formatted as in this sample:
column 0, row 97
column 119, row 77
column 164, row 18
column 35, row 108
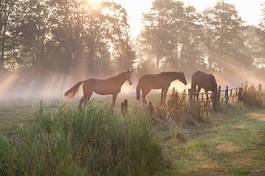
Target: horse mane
column 213, row 80
column 166, row 73
column 204, row 80
column 118, row 75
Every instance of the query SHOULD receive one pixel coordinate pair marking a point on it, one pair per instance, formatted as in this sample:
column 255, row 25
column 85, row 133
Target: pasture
column 230, row 142
column 113, row 88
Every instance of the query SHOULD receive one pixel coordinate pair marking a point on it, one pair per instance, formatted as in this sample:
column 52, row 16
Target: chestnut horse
column 201, row 80
column 111, row 86
column 159, row 81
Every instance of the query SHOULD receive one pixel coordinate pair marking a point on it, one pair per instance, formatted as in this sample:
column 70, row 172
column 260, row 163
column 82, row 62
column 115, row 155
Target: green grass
column 89, row 142
column 233, row 145
column 231, row 142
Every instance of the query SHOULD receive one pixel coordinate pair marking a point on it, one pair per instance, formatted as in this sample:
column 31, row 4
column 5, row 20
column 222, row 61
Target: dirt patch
column 256, row 116
column 210, row 164
column 227, row 147
column 239, row 126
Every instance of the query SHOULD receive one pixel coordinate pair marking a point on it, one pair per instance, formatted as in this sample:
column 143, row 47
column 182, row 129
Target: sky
column 249, row 10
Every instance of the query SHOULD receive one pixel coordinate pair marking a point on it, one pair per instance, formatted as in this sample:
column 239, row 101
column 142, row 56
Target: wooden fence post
column 124, row 107
column 260, row 87
column 240, row 94
column 190, row 94
column 218, row 96
column 246, row 86
column 197, row 96
column 226, row 95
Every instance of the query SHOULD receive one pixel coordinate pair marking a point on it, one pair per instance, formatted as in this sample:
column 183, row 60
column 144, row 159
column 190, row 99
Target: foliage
column 172, row 34
column 77, row 37
column 223, row 36
column 177, row 105
column 61, row 35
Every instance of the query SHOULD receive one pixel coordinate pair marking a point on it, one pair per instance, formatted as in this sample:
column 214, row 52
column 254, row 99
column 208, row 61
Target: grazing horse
column 111, row 86
column 203, row 80
column 160, row 81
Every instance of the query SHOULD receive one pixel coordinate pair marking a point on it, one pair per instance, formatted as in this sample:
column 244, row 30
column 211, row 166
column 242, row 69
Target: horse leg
column 143, row 99
column 144, row 93
column 165, row 95
column 88, row 96
column 114, row 96
column 199, row 90
column 81, row 102
column 162, row 96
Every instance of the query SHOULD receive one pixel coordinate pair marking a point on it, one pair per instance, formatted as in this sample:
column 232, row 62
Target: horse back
column 101, row 86
column 153, row 81
column 204, row 80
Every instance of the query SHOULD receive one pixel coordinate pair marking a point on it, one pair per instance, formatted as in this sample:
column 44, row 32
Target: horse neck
column 174, row 77
column 120, row 79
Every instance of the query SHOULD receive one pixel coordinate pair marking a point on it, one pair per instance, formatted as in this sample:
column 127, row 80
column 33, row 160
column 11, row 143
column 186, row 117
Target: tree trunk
column 157, row 62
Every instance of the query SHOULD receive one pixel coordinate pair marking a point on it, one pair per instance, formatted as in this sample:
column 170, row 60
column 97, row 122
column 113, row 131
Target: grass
column 89, row 142
column 231, row 142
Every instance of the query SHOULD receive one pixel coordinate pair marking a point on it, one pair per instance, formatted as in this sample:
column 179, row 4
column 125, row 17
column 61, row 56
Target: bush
column 88, row 142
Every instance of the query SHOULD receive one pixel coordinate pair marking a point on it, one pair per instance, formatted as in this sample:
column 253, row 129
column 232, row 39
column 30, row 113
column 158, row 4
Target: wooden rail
column 209, row 101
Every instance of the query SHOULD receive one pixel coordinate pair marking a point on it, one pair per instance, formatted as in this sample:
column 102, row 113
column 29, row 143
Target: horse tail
column 72, row 92
column 138, row 92
column 214, row 82
column 193, row 83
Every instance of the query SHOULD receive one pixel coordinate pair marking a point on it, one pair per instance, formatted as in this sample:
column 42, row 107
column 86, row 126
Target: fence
column 210, row 102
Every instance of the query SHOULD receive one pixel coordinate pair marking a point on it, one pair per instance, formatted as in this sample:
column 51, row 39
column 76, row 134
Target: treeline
column 61, row 35
column 178, row 36
column 76, row 36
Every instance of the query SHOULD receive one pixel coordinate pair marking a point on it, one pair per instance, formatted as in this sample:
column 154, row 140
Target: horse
column 201, row 80
column 111, row 86
column 158, row 81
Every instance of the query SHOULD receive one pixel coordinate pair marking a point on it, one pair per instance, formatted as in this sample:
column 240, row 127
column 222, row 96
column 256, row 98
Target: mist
column 45, row 51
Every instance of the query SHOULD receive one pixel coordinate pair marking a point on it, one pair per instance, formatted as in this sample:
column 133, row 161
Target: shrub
column 87, row 142
column 177, row 105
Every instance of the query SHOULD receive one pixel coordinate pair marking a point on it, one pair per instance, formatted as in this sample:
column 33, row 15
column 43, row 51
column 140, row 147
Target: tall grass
column 89, row 142
column 253, row 98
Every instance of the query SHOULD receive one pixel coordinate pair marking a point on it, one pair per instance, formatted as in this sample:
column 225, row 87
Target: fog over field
column 47, row 46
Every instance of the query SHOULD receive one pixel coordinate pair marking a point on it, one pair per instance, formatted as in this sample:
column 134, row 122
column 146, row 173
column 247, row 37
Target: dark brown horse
column 201, row 80
column 111, row 86
column 160, row 81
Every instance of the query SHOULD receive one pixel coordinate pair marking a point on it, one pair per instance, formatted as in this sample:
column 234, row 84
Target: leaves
column 172, row 34
column 62, row 35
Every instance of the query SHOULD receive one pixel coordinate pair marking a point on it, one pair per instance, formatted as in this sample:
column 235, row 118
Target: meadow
column 55, row 138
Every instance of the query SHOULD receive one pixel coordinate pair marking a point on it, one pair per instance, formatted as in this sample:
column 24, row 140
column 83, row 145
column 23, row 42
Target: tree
column 261, row 38
column 32, row 30
column 7, row 40
column 172, row 35
column 223, row 36
column 65, row 36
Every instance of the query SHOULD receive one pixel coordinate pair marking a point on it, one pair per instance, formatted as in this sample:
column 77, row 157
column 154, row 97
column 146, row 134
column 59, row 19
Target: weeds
column 88, row 142
column 253, row 98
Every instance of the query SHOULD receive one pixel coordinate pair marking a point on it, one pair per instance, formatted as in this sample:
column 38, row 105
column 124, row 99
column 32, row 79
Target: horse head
column 182, row 78
column 129, row 76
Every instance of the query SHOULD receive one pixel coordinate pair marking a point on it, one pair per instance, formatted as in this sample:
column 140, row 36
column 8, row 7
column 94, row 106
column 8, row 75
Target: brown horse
column 160, row 81
column 111, row 86
column 201, row 80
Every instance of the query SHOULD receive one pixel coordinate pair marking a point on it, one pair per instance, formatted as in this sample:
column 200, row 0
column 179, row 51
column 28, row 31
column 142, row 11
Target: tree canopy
column 78, row 37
